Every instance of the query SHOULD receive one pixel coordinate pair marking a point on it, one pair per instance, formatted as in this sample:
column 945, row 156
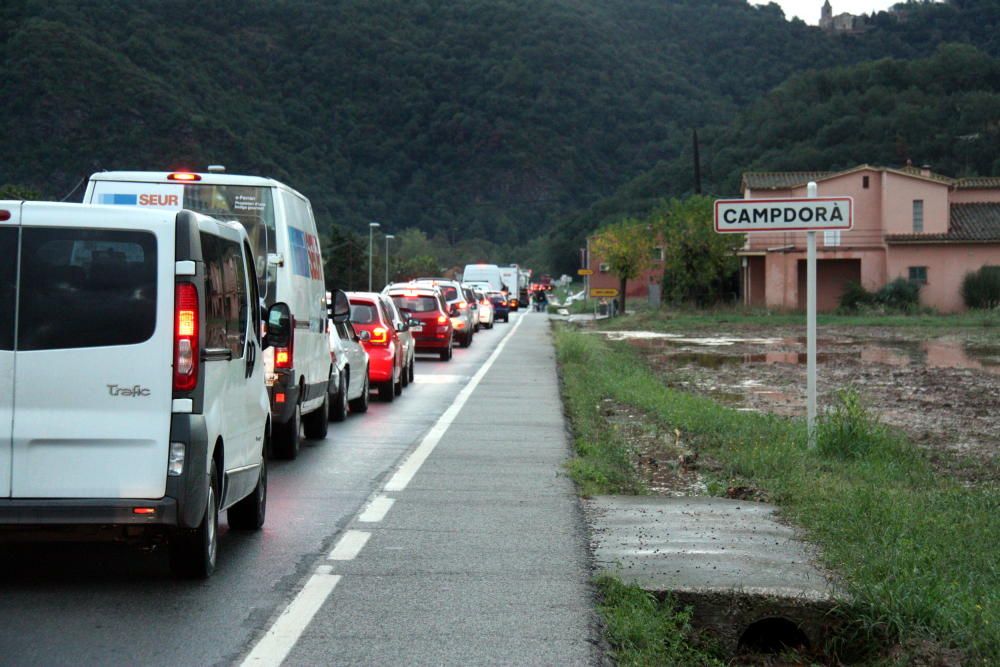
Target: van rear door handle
column 251, row 358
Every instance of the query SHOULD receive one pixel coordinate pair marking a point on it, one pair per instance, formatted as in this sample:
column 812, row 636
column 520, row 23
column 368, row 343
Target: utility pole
column 371, row 237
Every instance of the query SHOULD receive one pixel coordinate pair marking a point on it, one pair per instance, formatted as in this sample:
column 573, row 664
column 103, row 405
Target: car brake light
column 463, row 305
column 183, row 176
column 143, row 510
column 186, row 346
column 284, row 357
column 442, row 319
column 380, row 336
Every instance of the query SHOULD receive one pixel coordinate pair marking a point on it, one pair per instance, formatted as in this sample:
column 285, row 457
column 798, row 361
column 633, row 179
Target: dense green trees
column 487, row 124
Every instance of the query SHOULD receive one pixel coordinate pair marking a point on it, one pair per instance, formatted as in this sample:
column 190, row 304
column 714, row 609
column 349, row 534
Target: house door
column 832, row 276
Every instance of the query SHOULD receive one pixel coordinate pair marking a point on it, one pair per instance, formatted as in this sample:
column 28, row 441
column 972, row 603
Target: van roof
column 206, row 179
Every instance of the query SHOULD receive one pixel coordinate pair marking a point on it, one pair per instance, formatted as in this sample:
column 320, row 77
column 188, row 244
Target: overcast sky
column 808, row 10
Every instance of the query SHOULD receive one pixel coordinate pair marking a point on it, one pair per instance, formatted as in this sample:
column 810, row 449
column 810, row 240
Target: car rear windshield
column 450, row 293
column 364, row 313
column 86, row 288
column 416, row 304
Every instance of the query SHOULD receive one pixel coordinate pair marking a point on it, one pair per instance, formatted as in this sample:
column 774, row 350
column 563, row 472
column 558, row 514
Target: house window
column 918, row 216
column 657, row 254
column 864, row 182
column 831, row 238
column 918, row 274
column 604, row 268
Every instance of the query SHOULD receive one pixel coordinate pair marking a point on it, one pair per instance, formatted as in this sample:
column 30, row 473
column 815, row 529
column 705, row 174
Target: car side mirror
column 364, row 336
column 453, row 311
column 413, row 322
column 400, row 326
column 279, row 326
column 340, row 308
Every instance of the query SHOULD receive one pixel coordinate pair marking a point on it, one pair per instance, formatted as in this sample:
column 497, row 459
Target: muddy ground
column 942, row 390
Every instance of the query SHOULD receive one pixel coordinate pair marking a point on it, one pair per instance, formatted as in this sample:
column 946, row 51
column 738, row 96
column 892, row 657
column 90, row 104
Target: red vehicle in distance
column 428, row 306
column 370, row 315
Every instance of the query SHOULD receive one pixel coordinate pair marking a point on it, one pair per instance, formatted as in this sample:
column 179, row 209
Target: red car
column 428, row 306
column 370, row 315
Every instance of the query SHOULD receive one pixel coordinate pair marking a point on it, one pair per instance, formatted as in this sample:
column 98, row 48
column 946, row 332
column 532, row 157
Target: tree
column 627, row 248
column 699, row 264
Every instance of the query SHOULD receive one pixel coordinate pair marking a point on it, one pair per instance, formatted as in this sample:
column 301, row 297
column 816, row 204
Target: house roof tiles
column 781, row 180
column 978, row 183
column 971, row 223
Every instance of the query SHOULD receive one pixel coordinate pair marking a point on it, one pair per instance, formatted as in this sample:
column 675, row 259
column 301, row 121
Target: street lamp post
column 387, row 237
column 371, row 232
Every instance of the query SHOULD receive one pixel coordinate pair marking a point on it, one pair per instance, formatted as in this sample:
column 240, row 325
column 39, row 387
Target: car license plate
column 416, row 329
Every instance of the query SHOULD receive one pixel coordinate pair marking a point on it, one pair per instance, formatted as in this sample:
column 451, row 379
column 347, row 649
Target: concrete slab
column 703, row 545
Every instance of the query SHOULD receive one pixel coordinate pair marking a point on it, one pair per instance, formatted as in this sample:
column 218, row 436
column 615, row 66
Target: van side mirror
column 340, row 308
column 279, row 326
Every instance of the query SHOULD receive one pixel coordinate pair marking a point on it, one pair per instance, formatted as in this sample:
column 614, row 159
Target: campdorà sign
column 783, row 215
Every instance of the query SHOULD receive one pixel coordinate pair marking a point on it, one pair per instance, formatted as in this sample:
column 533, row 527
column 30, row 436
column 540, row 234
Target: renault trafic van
column 286, row 249
column 132, row 390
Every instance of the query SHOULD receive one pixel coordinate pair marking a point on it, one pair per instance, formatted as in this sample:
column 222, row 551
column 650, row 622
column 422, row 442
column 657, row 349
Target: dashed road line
column 350, row 545
column 376, row 510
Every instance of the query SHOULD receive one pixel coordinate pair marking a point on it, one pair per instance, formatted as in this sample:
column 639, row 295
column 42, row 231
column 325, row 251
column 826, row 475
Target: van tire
column 387, row 391
column 360, row 404
column 317, row 423
column 193, row 552
column 338, row 408
column 249, row 513
column 287, row 438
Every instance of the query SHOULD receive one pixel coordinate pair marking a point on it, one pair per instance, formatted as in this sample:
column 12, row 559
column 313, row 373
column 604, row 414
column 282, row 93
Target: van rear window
column 86, row 288
column 8, row 269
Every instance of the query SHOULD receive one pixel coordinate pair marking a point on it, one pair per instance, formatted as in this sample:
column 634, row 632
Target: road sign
column 598, row 292
column 783, row 215
column 584, row 272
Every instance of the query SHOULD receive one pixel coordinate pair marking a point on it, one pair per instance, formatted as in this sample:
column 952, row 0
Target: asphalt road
column 87, row 604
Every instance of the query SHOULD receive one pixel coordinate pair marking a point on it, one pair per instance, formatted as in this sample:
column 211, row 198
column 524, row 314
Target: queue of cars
column 182, row 319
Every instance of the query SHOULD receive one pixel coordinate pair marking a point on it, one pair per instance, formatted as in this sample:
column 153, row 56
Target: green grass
column 643, row 630
column 665, row 319
column 917, row 552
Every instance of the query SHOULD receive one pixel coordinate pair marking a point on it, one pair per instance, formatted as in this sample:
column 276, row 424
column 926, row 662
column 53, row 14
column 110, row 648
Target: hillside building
column 843, row 23
column 908, row 223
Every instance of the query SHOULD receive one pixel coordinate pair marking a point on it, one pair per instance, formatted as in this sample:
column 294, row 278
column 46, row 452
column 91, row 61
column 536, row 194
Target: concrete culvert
column 772, row 635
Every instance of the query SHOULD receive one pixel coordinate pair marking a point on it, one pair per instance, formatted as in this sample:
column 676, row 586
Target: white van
column 286, row 249
column 132, row 395
column 484, row 273
column 511, row 276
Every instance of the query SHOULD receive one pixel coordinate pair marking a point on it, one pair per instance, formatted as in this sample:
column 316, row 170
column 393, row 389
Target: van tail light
column 284, row 357
column 183, row 176
column 186, row 346
column 380, row 336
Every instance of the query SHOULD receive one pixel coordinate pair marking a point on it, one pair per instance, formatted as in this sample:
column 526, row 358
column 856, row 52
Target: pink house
column 908, row 223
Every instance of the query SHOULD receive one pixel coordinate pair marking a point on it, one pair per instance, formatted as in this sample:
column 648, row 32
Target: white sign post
column 809, row 214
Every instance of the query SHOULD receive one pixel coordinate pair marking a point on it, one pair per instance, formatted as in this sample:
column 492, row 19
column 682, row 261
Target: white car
column 351, row 361
column 286, row 250
column 132, row 392
column 485, row 310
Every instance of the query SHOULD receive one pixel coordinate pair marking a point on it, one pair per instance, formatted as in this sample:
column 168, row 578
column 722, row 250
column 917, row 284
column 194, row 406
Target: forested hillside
column 473, row 119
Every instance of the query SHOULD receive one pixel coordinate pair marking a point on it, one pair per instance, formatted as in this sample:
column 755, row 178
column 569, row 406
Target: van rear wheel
column 193, row 552
column 287, row 437
column 317, row 422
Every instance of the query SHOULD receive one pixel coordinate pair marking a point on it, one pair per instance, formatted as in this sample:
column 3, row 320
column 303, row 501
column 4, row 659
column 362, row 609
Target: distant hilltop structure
column 845, row 24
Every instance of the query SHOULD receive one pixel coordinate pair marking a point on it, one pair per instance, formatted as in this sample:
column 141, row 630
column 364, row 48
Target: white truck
column 286, row 250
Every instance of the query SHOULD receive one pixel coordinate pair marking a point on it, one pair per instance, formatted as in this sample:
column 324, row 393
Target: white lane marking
column 376, row 510
column 274, row 646
column 402, row 478
column 349, row 546
column 439, row 379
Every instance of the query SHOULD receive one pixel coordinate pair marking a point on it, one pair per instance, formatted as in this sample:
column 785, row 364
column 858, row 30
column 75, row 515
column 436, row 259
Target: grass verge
column 918, row 553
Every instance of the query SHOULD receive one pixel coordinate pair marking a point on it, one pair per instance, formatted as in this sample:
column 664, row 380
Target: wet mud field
column 941, row 389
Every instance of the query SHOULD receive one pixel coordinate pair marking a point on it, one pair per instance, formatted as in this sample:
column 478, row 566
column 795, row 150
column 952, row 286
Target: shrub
column 855, row 297
column 981, row 289
column 901, row 294
column 849, row 430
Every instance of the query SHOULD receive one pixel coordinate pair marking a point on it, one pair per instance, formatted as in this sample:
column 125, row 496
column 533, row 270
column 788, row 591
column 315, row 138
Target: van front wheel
column 317, row 422
column 192, row 552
